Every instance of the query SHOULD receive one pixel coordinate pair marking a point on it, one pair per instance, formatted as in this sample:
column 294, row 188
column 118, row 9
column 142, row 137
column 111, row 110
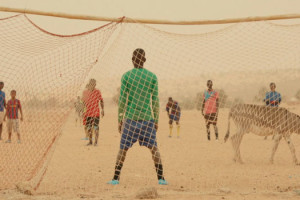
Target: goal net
column 48, row 72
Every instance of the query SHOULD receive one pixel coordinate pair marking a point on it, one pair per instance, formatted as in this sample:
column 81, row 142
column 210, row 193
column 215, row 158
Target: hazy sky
column 150, row 9
column 154, row 9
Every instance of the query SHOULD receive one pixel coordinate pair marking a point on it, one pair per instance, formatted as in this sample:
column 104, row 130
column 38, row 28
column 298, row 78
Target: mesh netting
column 49, row 71
column 32, row 59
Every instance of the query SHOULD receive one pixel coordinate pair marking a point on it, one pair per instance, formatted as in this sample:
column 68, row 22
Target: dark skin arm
column 203, row 103
column 120, row 126
column 267, row 101
column 5, row 115
column 168, row 112
column 156, row 126
column 102, row 107
column 178, row 111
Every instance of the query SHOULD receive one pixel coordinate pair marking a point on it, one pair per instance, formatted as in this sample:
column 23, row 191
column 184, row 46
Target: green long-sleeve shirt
column 139, row 96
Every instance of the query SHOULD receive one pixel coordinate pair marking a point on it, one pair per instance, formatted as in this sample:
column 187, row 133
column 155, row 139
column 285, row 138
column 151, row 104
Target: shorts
column 13, row 124
column 175, row 117
column 211, row 118
column 1, row 117
column 92, row 122
column 142, row 131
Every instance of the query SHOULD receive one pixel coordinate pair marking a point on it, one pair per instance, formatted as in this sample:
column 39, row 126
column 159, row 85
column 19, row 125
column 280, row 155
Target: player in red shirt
column 12, row 113
column 91, row 100
column 210, row 108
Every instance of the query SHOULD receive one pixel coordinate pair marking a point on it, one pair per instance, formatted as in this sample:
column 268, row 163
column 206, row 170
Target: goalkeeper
column 139, row 88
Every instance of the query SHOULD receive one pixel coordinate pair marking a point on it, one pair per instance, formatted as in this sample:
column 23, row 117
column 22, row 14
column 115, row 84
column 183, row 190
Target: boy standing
column 210, row 108
column 174, row 113
column 2, row 107
column 273, row 98
column 138, row 114
column 13, row 106
column 92, row 114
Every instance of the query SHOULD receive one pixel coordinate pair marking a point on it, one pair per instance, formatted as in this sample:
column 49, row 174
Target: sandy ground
column 194, row 167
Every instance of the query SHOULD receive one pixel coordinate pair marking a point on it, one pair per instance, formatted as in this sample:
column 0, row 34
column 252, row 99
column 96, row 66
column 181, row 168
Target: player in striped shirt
column 12, row 113
column 138, row 114
column 2, row 107
column 210, row 108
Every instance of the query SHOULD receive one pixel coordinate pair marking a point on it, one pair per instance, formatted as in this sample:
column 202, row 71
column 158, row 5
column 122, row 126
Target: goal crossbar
column 149, row 21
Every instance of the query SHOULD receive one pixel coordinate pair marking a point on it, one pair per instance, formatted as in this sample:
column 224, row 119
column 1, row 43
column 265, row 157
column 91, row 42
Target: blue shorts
column 175, row 117
column 142, row 131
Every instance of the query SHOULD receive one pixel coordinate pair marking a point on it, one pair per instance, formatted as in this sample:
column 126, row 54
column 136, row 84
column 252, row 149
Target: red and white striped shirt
column 13, row 106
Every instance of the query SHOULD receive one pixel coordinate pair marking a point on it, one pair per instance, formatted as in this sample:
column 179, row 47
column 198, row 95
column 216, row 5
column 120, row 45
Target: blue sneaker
column 162, row 182
column 85, row 138
column 113, row 182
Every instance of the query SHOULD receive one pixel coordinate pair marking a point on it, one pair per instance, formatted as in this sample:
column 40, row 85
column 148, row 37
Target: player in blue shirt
column 2, row 107
column 273, row 98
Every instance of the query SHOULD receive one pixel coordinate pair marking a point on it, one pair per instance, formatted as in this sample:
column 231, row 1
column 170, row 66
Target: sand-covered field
column 194, row 167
